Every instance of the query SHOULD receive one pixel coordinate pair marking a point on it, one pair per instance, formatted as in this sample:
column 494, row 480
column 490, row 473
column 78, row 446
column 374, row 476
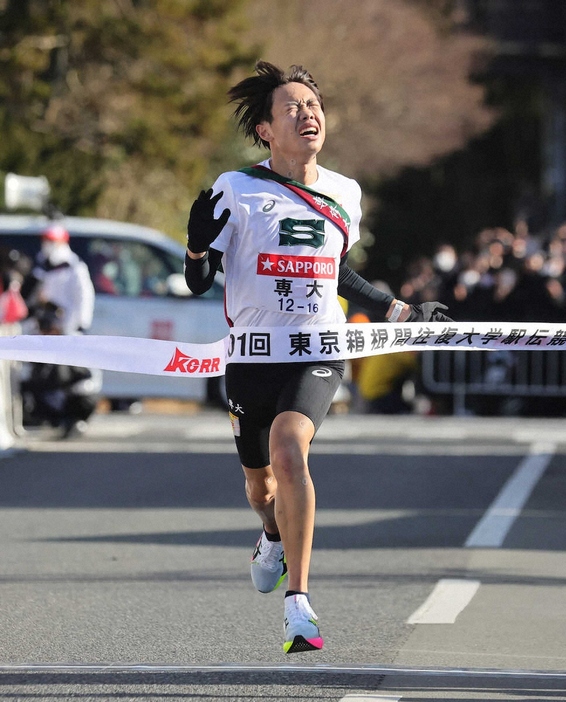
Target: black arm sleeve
column 356, row 289
column 200, row 272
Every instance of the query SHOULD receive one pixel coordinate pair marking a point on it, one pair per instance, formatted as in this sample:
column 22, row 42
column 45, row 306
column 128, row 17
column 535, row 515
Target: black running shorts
column 258, row 392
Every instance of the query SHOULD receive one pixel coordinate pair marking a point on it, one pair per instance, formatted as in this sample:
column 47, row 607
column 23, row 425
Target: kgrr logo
column 181, row 363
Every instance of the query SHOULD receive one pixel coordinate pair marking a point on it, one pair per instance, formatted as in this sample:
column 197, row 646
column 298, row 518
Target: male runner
column 284, row 260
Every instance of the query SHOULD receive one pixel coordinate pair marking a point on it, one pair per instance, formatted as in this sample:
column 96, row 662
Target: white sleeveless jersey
column 281, row 256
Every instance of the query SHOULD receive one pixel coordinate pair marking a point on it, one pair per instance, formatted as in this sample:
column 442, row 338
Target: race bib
column 296, row 284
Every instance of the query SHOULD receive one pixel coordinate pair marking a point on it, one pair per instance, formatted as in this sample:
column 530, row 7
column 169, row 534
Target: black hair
column 254, row 95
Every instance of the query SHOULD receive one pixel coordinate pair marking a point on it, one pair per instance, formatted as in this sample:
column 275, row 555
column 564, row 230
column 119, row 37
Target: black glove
column 428, row 312
column 202, row 227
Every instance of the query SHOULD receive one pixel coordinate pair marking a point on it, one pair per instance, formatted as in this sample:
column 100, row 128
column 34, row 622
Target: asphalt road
column 438, row 570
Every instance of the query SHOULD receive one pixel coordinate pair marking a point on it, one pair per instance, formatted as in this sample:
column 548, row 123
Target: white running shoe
column 301, row 626
column 268, row 566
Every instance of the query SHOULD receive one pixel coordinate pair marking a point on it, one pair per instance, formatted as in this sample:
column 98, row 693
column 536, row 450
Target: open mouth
column 309, row 131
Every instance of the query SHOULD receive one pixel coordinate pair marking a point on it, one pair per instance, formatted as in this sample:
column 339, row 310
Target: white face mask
column 55, row 253
column 445, row 261
column 46, row 248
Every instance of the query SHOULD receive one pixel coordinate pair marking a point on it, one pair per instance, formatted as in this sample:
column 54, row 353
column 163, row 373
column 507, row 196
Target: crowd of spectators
column 505, row 276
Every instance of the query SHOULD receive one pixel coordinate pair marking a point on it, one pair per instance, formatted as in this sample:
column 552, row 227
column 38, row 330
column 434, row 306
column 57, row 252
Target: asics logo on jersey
column 322, row 372
column 301, row 232
column 269, row 206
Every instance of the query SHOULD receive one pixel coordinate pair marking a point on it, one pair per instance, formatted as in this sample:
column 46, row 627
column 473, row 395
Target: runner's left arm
column 356, row 289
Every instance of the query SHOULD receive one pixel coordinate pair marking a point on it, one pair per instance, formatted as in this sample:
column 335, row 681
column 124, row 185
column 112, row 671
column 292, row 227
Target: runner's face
column 297, row 129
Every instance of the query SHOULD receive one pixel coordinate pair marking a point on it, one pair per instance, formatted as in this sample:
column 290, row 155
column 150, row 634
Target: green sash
column 325, row 205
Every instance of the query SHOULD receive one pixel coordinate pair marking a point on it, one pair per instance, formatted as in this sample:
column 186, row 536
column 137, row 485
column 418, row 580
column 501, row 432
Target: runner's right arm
column 201, row 261
column 200, row 272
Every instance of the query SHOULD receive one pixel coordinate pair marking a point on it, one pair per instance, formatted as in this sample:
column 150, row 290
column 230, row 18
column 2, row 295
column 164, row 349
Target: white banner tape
column 118, row 353
column 278, row 345
column 343, row 341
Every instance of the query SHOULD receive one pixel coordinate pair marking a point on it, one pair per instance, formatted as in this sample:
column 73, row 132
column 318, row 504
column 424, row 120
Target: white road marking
column 361, row 669
column 368, row 698
column 491, row 530
column 445, row 602
column 220, row 446
column 450, row 597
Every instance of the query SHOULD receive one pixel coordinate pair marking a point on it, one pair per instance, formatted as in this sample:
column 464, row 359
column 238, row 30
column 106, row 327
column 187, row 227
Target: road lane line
column 449, row 597
column 221, row 446
column 491, row 530
column 368, row 698
column 361, row 669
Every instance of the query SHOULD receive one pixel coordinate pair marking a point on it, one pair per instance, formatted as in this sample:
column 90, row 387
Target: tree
column 396, row 83
column 121, row 103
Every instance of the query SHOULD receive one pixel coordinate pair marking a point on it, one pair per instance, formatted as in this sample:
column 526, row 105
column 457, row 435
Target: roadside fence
column 499, row 372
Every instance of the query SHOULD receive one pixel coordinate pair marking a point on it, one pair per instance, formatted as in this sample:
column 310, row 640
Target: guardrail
column 506, row 373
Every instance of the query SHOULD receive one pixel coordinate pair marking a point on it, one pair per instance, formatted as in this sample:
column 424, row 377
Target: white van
column 140, row 291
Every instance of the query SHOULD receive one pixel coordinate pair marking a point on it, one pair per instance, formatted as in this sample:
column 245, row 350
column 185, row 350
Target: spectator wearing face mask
column 61, row 278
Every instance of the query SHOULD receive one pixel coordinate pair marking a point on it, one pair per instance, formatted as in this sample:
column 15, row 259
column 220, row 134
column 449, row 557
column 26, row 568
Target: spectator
column 381, row 382
column 61, row 278
column 60, row 297
column 12, row 306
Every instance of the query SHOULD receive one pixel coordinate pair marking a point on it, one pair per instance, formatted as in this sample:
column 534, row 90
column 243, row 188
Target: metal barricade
column 506, row 373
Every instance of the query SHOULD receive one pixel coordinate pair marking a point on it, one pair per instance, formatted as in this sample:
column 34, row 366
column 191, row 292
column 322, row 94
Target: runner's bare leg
column 289, row 443
column 261, row 487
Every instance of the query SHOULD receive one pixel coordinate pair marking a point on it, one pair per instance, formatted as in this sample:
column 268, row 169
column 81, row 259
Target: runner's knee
column 261, row 485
